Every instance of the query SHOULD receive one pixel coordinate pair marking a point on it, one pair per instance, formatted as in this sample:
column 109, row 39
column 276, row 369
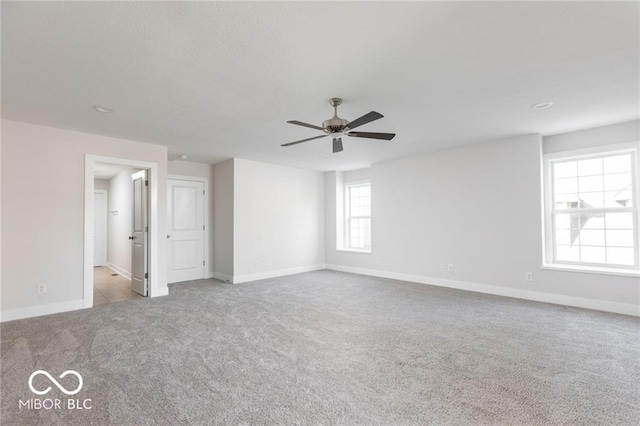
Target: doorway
column 124, row 270
column 119, row 207
column 110, row 286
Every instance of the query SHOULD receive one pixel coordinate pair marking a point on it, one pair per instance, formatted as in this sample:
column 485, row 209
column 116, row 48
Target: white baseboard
column 208, row 275
column 237, row 279
column 556, row 299
column 37, row 311
column 222, row 277
column 119, row 270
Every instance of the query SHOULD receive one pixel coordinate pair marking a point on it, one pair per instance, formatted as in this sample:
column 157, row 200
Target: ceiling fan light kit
column 337, row 127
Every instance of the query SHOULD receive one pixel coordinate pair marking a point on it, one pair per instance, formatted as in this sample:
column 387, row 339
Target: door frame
column 153, row 251
column 205, row 181
column 105, row 235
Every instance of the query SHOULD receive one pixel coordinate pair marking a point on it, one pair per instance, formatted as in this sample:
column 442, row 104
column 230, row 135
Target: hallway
column 109, row 287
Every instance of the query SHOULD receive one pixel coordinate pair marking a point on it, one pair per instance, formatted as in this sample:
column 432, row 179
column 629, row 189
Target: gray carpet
column 327, row 348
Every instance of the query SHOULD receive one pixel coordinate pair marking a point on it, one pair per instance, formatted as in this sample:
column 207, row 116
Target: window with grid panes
column 358, row 216
column 592, row 215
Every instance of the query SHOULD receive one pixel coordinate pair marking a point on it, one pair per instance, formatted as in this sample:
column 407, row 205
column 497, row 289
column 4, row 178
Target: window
column 358, row 216
column 591, row 209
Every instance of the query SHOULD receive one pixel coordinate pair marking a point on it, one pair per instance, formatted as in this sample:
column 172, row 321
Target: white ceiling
column 220, row 80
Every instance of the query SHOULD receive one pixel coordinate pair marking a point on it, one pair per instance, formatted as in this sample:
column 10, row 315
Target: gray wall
column 478, row 208
column 278, row 220
column 46, row 236
column 606, row 135
column 223, row 225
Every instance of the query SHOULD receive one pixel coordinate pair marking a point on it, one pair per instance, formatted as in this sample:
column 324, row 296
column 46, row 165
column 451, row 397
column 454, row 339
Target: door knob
column 132, row 238
column 168, row 236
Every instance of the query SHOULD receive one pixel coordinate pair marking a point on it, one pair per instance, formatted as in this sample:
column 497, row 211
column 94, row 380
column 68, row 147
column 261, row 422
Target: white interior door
column 139, row 272
column 100, row 228
column 185, row 201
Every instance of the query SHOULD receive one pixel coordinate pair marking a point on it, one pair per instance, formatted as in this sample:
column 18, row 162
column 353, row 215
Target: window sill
column 353, row 251
column 593, row 270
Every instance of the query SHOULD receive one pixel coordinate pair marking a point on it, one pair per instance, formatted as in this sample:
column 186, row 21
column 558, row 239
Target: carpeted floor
column 326, row 348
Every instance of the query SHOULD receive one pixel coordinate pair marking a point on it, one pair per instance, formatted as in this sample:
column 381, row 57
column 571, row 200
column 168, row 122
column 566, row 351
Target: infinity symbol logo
column 55, row 382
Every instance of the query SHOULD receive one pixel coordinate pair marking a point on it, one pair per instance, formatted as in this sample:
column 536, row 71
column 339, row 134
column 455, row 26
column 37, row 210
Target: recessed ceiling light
column 542, row 105
column 102, row 109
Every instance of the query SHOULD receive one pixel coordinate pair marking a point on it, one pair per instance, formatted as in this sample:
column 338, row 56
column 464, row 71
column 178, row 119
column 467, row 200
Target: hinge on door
column 203, row 192
column 146, row 275
column 203, row 263
column 203, row 227
column 146, row 229
column 146, row 183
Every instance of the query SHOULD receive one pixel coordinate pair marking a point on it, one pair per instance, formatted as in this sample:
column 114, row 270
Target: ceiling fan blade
column 304, row 140
column 337, row 145
column 384, row 136
column 367, row 118
column 300, row 123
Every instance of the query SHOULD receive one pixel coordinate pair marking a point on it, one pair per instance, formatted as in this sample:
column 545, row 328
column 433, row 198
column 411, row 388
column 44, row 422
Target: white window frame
column 347, row 216
column 549, row 255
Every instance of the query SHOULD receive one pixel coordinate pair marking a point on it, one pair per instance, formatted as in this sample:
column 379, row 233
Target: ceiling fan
column 337, row 127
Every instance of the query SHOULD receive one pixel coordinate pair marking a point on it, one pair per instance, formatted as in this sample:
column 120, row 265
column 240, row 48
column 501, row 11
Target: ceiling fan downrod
column 335, row 124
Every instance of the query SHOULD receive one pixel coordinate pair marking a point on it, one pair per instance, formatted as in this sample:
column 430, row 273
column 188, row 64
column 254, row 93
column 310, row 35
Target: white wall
column 223, row 190
column 101, row 184
column 278, row 220
column 119, row 227
column 46, row 235
column 477, row 208
column 605, row 135
column 189, row 168
column 357, row 175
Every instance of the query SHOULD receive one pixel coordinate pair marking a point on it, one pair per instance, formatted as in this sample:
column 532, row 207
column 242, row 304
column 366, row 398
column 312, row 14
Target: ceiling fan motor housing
column 335, row 124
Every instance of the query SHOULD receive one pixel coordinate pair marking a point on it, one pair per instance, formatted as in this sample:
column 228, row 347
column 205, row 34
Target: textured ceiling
column 220, row 80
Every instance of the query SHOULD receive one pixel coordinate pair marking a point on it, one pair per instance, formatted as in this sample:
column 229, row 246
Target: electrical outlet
column 450, row 268
column 443, row 267
column 41, row 288
column 528, row 276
